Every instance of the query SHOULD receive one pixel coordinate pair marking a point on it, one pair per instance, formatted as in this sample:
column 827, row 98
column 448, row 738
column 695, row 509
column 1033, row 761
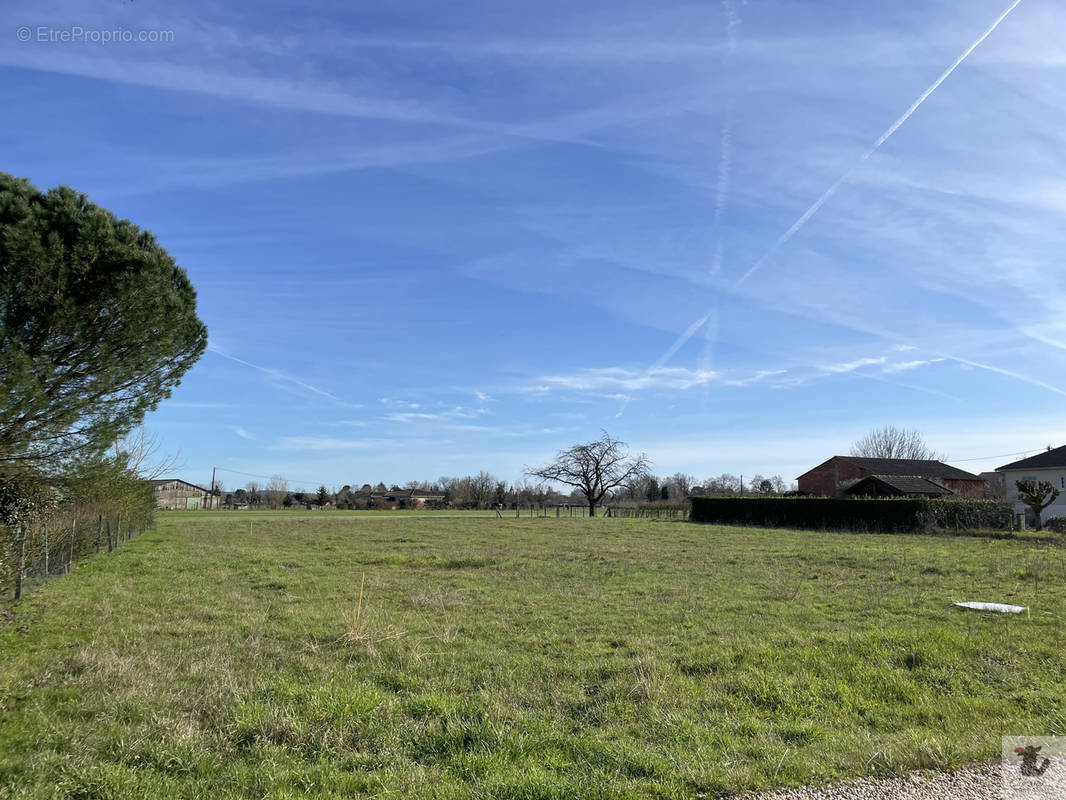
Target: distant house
column 395, row 498
column 906, row 477
column 174, row 493
column 1048, row 466
column 896, row 486
column 995, row 484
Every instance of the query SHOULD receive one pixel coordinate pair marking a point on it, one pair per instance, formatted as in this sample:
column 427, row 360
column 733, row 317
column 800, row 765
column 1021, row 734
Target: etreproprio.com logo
column 77, row 34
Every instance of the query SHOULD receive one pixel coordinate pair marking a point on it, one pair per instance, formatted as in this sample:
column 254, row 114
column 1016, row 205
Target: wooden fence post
column 70, row 550
column 99, row 530
column 110, row 543
column 22, row 560
column 45, row 529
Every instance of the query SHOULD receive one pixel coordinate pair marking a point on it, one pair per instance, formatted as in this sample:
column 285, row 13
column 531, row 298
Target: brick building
column 836, row 476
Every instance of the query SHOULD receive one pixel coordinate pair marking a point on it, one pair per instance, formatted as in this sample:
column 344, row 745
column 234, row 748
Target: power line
column 1001, row 455
column 271, row 477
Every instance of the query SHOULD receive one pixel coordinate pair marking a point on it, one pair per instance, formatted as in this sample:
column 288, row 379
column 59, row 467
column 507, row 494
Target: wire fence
column 648, row 511
column 52, row 545
column 653, row 511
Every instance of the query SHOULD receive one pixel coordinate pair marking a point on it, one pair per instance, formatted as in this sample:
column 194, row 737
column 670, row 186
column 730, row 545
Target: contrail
column 1008, row 373
column 725, row 164
column 817, row 204
column 684, row 337
column 707, row 357
column 278, row 375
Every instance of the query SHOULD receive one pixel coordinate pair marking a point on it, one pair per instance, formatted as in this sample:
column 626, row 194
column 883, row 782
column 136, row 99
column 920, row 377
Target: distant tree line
column 486, row 491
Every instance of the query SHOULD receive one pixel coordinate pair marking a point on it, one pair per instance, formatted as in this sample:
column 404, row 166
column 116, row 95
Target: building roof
column 1049, row 459
column 157, row 483
column 904, row 484
column 921, row 468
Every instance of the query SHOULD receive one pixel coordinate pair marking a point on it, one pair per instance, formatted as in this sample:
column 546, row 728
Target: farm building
column 896, row 477
column 1048, row 466
column 396, row 498
column 174, row 493
column 896, row 486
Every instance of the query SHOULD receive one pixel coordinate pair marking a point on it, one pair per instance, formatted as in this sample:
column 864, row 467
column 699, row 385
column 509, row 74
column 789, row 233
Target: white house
column 1048, row 466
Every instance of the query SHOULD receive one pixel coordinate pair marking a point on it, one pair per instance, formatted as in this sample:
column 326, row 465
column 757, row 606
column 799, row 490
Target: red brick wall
column 821, row 480
column 964, row 486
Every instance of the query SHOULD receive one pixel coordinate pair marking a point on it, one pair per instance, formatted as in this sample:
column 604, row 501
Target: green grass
column 519, row 659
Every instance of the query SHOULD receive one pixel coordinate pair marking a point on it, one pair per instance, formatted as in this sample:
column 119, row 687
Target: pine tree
column 97, row 325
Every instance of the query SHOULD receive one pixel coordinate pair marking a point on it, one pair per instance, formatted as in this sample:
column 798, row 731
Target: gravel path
column 972, row 783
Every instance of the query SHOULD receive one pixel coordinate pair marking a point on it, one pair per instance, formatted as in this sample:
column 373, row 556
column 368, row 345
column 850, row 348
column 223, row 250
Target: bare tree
column 276, row 490
column 255, row 498
column 594, row 468
column 893, row 442
column 680, row 485
column 142, row 454
column 723, row 484
column 482, row 488
column 1038, row 495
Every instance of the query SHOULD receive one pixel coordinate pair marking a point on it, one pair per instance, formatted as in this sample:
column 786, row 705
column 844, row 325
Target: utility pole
column 213, row 501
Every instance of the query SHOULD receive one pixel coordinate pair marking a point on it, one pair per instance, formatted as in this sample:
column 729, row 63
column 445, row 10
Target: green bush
column 45, row 526
column 887, row 515
column 1055, row 524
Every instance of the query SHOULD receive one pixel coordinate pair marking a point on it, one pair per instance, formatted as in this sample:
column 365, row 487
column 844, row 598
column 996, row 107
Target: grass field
column 226, row 655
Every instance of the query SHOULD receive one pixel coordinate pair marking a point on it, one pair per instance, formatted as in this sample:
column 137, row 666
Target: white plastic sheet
column 1002, row 608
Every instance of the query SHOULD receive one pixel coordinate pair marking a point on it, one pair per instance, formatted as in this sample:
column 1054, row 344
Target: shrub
column 1056, row 524
column 888, row 515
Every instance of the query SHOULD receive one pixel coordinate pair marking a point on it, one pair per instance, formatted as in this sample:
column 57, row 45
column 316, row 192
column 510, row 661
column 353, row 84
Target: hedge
column 887, row 515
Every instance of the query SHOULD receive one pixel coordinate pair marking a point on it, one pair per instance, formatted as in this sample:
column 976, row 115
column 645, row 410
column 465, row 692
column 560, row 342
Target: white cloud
column 242, row 433
column 459, row 412
column 627, row 379
column 903, row 366
column 851, row 366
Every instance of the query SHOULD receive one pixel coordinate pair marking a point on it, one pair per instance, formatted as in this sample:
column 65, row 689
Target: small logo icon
column 1029, row 755
column 1034, row 767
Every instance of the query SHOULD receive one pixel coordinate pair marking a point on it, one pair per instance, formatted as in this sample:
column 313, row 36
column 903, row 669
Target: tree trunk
column 592, row 509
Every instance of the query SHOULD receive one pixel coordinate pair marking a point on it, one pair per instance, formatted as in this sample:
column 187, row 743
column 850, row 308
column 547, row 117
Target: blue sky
column 430, row 239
